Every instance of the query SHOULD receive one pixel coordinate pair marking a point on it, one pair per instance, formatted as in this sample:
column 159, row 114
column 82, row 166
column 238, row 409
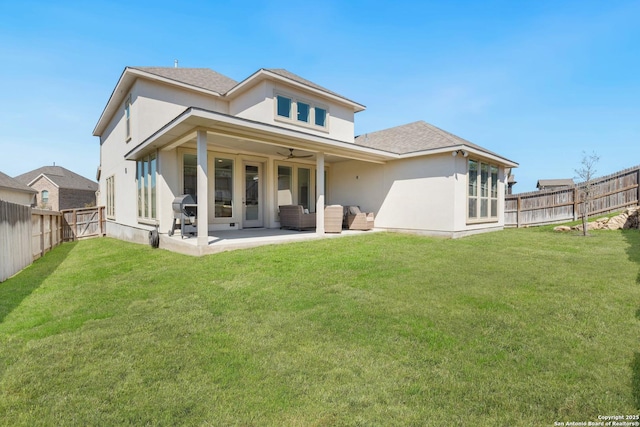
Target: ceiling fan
column 294, row 156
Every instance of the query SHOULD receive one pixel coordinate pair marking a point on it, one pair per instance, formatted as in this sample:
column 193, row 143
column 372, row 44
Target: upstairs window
column 45, row 197
column 321, row 117
column 300, row 112
column 303, row 112
column 127, row 117
column 284, row 107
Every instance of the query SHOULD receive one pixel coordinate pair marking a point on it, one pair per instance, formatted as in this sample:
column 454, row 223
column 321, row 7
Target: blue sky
column 539, row 82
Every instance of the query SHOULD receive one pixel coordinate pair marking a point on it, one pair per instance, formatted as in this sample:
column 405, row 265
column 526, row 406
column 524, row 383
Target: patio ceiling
column 248, row 136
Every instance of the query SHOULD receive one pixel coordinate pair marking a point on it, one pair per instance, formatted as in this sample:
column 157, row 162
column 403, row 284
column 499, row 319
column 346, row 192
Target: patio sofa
column 293, row 216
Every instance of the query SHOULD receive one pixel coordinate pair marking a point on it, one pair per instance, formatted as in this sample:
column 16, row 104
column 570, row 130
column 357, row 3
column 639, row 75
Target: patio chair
column 293, row 216
column 355, row 219
column 333, row 219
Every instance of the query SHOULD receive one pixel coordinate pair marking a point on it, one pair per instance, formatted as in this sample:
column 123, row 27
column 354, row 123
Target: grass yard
column 522, row 327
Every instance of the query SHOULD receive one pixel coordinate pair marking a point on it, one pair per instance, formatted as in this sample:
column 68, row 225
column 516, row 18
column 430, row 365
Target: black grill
column 185, row 210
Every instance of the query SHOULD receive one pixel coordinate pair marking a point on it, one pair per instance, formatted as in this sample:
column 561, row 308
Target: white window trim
column 293, row 119
column 127, row 118
column 150, row 219
column 295, row 196
column 111, row 197
column 478, row 219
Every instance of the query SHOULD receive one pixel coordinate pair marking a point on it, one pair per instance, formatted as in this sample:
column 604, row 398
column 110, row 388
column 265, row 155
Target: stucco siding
column 419, row 194
column 258, row 103
column 19, row 197
column 154, row 104
column 424, row 194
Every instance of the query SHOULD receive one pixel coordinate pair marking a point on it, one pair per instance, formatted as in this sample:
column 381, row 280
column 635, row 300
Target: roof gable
column 294, row 79
column 63, row 178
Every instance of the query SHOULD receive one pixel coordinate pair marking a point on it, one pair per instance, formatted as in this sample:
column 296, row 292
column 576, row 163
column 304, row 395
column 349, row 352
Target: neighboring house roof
column 204, row 78
column 542, row 183
column 13, row 184
column 415, row 137
column 60, row 176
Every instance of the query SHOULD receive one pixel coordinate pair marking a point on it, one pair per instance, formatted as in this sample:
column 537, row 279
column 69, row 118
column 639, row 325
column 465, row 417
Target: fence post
column 575, row 203
column 74, row 218
column 518, row 213
column 101, row 220
column 41, row 235
column 638, row 189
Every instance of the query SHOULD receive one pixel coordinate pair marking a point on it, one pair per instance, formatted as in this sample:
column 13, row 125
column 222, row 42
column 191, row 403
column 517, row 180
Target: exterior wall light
column 463, row 152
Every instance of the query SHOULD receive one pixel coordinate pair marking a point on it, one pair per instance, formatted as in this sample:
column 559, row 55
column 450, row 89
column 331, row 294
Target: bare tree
column 586, row 173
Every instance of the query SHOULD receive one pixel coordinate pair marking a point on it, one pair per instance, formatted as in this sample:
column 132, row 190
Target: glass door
column 252, row 203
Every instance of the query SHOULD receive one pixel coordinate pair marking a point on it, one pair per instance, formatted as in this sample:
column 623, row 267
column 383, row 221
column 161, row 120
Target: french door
column 252, row 200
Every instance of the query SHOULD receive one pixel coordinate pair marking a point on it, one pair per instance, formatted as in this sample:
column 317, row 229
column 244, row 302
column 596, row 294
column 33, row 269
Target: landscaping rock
column 630, row 218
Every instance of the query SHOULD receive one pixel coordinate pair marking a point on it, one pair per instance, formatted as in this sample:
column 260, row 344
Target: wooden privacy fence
column 86, row 222
column 610, row 193
column 25, row 234
column 46, row 231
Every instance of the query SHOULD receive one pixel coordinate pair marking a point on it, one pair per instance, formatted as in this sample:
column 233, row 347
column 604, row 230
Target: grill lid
column 180, row 201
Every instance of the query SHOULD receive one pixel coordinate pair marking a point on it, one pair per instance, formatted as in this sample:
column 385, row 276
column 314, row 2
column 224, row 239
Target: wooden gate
column 85, row 222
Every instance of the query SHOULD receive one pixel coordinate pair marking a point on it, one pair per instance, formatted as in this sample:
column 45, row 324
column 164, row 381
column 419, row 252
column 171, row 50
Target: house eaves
column 131, row 74
column 282, row 75
column 184, row 126
column 477, row 153
column 423, row 139
column 13, row 184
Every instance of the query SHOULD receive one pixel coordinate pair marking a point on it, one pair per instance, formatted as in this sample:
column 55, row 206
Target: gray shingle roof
column 60, row 176
column 7, row 182
column 296, row 78
column 566, row 182
column 204, row 78
column 413, row 137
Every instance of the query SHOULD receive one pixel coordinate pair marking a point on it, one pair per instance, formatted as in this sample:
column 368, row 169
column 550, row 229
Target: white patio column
column 203, row 190
column 320, row 195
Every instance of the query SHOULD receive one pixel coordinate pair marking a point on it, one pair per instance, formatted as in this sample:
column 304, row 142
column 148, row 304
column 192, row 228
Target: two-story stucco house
column 244, row 148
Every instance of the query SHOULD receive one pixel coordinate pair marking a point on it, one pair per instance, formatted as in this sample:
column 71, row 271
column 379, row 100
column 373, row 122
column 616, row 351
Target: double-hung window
column 146, row 177
column 111, row 197
column 482, row 192
column 127, row 117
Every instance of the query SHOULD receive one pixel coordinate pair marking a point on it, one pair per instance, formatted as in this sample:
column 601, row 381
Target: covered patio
column 245, row 219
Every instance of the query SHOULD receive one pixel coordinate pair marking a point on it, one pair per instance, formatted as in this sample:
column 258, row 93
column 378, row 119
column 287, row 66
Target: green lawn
column 521, row 327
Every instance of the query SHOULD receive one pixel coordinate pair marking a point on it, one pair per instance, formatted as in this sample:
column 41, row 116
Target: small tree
column 586, row 173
